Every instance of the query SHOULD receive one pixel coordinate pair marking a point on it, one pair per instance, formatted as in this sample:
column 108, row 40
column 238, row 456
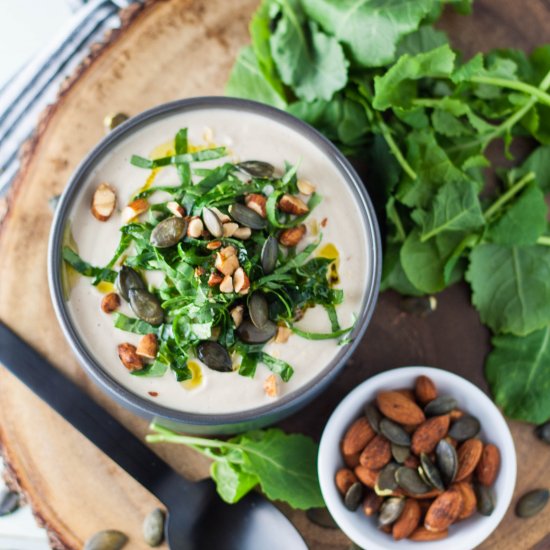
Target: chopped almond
column 214, row 245
column 103, row 202
column 292, row 236
column 224, row 218
column 148, row 346
column 256, row 202
column 271, row 387
column 229, row 251
column 243, row 233
column 199, row 271
column 283, row 334
column 110, row 302
column 237, row 313
column 195, row 227
column 227, row 264
column 129, row 357
column 306, row 187
column 293, row 205
column 229, row 229
column 214, row 279
column 134, row 209
column 175, row 208
column 241, row 282
column 226, row 286
column 324, row 222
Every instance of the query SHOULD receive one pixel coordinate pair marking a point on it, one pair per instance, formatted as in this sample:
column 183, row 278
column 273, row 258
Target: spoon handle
column 106, row 433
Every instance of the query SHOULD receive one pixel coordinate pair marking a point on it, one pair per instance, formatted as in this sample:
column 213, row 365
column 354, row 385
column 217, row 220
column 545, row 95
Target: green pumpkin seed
column 258, row 309
column 212, row 223
column 447, row 461
column 321, row 517
column 112, row 121
column 146, row 306
column 543, row 432
column 532, row 503
column 250, row 334
column 410, row 480
column 106, row 540
column 168, row 232
column 485, row 499
column 400, row 453
column 9, row 502
column 270, row 251
column 440, row 405
column 374, row 416
column 430, row 472
column 465, row 428
column 385, row 482
column 153, row 527
column 214, row 356
column 246, row 216
column 394, row 432
column 256, row 168
column 353, row 496
column 390, row 510
column 128, row 279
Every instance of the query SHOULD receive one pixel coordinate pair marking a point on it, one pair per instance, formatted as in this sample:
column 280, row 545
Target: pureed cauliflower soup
column 214, row 319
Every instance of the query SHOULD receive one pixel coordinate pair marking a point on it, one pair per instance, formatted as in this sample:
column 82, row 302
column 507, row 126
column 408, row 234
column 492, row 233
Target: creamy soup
column 247, row 136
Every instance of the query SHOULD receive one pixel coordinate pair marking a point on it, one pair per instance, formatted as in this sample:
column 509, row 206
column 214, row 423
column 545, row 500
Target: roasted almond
column 293, row 205
column 305, row 187
column 256, row 202
column 469, row 500
column 345, row 478
column 372, row 503
column 214, row 245
column 406, row 392
column 226, row 286
column 399, row 408
column 469, row 455
column 351, row 461
column 271, row 388
column 103, row 202
column 408, row 520
column 425, row 390
column 147, row 346
column 421, row 534
column 489, row 465
column 428, row 434
column 110, row 302
column 366, row 476
column 176, row 209
column 241, row 282
column 243, row 233
column 237, row 314
column 195, row 227
column 412, row 462
column 215, row 279
column 376, row 454
column 444, row 510
column 283, row 334
column 292, row 236
column 129, row 357
column 357, row 436
column 226, row 264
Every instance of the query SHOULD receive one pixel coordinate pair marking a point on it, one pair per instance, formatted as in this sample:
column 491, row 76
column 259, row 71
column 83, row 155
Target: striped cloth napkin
column 26, row 95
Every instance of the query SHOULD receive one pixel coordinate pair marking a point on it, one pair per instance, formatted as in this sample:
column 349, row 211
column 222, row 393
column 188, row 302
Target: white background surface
column 25, row 26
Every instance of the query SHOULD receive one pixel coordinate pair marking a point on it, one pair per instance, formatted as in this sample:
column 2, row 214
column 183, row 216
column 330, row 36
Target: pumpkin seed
column 532, row 503
column 465, row 428
column 114, row 120
column 410, row 480
column 385, row 482
column 485, row 499
column 431, row 473
column 270, row 251
column 153, row 527
column 246, row 216
column 106, row 540
column 168, row 232
column 447, row 461
column 258, row 309
column 214, row 356
column 353, row 496
column 543, row 432
column 128, row 279
column 400, row 453
column 440, row 405
column 394, row 432
column 146, row 306
column 374, row 416
column 250, row 334
column 321, row 517
column 390, row 510
column 9, row 502
column 212, row 222
column 256, row 168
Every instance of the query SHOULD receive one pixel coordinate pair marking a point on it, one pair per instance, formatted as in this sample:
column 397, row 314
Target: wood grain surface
column 164, row 51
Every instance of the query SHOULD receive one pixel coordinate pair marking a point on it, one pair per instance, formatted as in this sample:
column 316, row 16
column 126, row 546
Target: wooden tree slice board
column 164, row 51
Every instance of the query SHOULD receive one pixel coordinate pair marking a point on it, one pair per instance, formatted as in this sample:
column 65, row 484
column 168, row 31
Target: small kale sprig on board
column 422, row 119
column 283, row 465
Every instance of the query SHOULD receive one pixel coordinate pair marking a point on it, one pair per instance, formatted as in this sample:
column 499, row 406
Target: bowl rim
column 336, row 427
column 141, row 405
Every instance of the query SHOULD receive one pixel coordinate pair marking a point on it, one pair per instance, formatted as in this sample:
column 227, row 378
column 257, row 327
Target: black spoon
column 197, row 518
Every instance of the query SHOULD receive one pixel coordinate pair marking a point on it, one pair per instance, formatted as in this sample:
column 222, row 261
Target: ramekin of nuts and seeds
column 420, row 456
